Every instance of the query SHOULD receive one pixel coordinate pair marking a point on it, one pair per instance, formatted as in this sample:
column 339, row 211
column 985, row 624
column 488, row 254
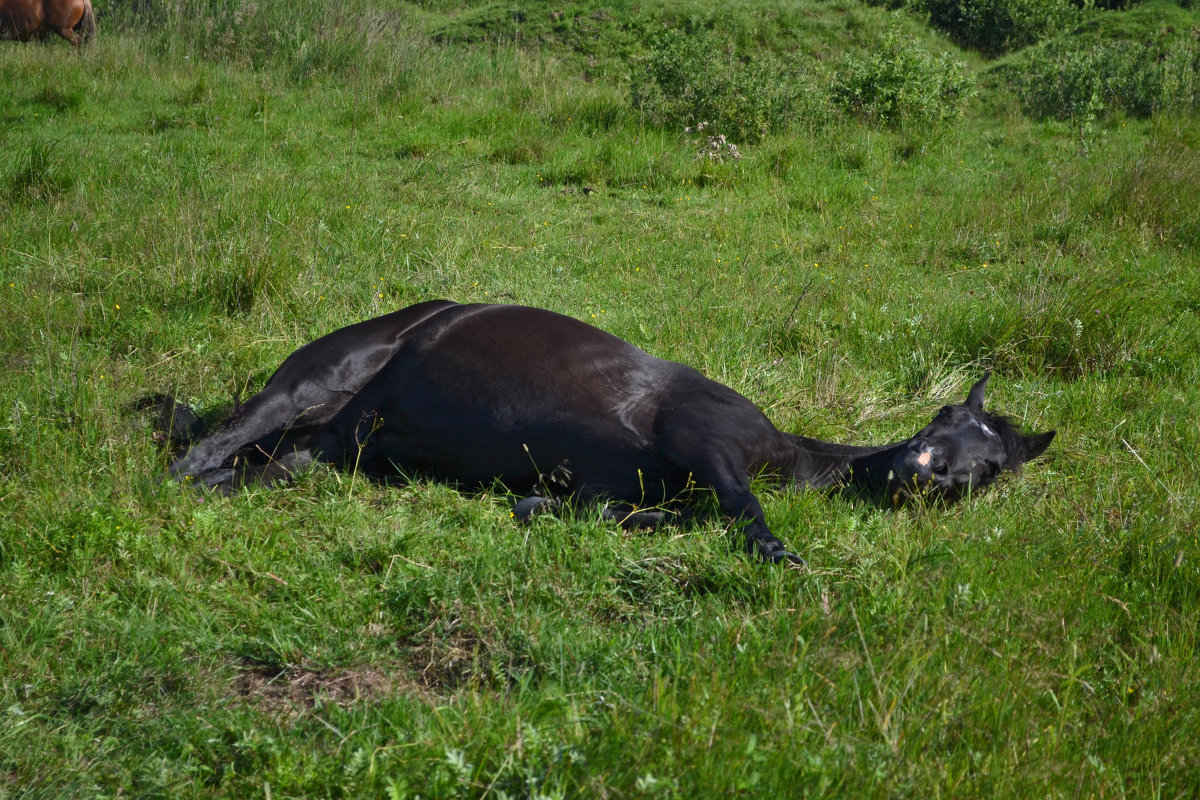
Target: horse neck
column 820, row 464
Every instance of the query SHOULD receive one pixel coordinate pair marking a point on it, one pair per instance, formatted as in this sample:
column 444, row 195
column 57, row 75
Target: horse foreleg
column 715, row 463
column 737, row 501
column 732, row 488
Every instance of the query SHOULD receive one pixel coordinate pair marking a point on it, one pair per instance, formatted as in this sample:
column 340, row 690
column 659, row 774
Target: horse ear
column 1036, row 444
column 975, row 396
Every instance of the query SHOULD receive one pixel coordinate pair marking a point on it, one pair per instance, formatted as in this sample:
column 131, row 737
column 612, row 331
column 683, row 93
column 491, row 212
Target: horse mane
column 1015, row 447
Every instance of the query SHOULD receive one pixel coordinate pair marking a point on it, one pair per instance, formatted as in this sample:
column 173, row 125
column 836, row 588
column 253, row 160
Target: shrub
column 1066, row 80
column 902, row 82
column 692, row 77
column 998, row 26
column 994, row 27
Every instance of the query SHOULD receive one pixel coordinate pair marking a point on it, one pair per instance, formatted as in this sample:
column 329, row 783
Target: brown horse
column 32, row 19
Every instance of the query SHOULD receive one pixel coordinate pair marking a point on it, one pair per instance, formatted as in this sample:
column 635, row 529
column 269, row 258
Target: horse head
column 963, row 449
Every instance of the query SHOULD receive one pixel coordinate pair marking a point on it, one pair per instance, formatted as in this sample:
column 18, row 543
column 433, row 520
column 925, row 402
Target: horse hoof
column 792, row 559
column 531, row 507
column 777, row 555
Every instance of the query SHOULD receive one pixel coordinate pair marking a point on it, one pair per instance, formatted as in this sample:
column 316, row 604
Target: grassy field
column 209, row 185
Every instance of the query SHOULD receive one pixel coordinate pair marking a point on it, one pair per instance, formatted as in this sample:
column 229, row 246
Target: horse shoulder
column 699, row 418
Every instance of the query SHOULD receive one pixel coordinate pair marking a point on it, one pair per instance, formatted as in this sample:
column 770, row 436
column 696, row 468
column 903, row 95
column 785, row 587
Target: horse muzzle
column 918, row 471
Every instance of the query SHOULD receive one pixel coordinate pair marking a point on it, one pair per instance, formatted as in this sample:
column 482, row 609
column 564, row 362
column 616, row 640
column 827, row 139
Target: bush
column 1064, row 80
column 692, row 77
column 903, row 82
column 998, row 26
column 994, row 27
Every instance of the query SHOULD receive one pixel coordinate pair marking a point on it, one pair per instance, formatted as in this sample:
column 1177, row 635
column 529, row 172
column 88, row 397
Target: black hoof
column 532, row 506
column 632, row 520
column 790, row 558
column 222, row 480
column 774, row 553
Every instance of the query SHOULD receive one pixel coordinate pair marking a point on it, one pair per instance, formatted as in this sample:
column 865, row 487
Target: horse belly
column 21, row 18
column 478, row 445
column 472, row 451
column 459, row 405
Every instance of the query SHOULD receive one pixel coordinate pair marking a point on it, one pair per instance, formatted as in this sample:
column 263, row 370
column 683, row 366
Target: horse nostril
column 929, row 463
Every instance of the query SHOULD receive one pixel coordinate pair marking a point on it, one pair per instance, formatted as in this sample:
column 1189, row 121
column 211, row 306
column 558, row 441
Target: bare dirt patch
column 448, row 659
column 297, row 689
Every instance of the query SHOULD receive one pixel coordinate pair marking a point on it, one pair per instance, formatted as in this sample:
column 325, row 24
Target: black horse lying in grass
column 479, row 394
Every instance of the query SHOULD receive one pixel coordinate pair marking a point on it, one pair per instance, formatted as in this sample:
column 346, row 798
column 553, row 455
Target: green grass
column 189, row 199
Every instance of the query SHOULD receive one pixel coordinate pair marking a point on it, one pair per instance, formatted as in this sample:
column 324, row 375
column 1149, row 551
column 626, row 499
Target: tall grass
column 204, row 189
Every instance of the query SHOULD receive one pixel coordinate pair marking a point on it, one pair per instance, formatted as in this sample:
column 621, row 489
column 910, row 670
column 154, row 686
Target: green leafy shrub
column 1065, row 80
column 902, row 82
column 994, row 27
column 692, row 76
column 998, row 26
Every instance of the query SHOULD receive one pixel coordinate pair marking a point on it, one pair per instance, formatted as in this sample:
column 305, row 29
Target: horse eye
column 943, row 411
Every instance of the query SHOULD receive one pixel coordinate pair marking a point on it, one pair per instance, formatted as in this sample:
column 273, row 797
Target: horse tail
column 87, row 24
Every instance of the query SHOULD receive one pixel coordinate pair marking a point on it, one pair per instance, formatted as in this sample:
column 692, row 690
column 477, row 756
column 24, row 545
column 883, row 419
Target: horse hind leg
column 272, row 474
column 624, row 514
column 545, row 496
column 65, row 26
column 631, row 518
column 534, row 506
column 79, row 31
